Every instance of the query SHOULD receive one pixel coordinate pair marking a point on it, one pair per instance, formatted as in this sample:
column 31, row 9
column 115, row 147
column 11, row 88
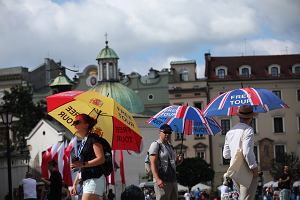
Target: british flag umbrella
column 185, row 120
column 227, row 104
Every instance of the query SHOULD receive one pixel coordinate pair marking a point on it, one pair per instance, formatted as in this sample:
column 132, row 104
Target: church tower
column 107, row 64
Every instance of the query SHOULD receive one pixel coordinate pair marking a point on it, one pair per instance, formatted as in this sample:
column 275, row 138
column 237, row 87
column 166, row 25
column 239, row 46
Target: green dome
column 107, row 53
column 122, row 94
column 61, row 80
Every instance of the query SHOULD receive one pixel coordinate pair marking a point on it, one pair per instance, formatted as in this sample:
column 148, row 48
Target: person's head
column 52, row 165
column 83, row 124
column 246, row 114
column 28, row 175
column 132, row 192
column 285, row 168
column 165, row 132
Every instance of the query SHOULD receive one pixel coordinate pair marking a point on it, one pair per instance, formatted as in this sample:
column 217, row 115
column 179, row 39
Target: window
column 200, row 151
column 150, row 96
column 279, row 153
column 183, row 150
column 298, row 95
column 298, row 118
column 177, row 95
column 277, row 93
column 274, row 70
column 221, row 71
column 200, row 154
column 199, row 137
column 278, row 125
column 255, row 152
column 184, row 75
column 296, row 69
column 253, row 125
column 198, row 105
column 224, row 161
column 245, row 71
column 225, row 125
column 178, row 136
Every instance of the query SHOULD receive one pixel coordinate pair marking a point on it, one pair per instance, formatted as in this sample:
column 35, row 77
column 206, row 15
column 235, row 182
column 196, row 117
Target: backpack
column 147, row 162
column 107, row 166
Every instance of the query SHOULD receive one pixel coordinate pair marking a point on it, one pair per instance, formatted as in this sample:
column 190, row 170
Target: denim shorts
column 94, row 186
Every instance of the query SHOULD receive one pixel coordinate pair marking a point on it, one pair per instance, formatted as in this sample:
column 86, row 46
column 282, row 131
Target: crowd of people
column 90, row 182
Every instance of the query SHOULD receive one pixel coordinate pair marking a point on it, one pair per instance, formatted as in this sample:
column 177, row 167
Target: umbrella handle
column 181, row 143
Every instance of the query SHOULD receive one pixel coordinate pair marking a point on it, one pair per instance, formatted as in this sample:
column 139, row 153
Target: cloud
column 143, row 36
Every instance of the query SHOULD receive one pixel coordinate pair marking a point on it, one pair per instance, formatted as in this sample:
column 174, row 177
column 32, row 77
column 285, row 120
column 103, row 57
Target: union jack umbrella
column 185, row 119
column 227, row 104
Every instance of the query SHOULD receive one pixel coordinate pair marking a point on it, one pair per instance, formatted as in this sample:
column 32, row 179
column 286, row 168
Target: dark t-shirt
column 286, row 184
column 55, row 186
column 88, row 154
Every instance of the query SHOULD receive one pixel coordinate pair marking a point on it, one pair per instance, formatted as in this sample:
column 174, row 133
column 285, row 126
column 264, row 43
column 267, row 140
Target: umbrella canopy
column 146, row 184
column 271, row 184
column 227, row 104
column 296, row 184
column 182, row 188
column 185, row 119
column 201, row 186
column 114, row 122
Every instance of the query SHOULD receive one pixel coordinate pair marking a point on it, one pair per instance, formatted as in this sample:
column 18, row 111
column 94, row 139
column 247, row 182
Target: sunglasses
column 77, row 122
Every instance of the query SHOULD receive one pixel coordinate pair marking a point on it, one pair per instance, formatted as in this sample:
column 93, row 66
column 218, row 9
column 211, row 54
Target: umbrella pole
column 181, row 143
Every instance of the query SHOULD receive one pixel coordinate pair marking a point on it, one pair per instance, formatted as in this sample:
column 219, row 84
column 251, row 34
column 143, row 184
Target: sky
column 144, row 33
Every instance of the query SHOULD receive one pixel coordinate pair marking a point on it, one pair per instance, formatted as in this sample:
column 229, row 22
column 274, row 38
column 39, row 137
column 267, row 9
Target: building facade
column 276, row 132
column 186, row 89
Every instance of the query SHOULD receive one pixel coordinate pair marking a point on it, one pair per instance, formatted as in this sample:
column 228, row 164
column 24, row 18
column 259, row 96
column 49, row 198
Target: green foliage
column 20, row 103
column 290, row 160
column 193, row 171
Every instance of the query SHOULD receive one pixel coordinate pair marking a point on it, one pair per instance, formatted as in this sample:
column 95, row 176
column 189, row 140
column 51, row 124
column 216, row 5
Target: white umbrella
column 201, row 187
column 271, row 184
column 146, row 184
column 182, row 188
column 296, row 184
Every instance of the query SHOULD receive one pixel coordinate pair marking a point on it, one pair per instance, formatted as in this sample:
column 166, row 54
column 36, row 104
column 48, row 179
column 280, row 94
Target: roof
column 61, row 80
column 259, row 66
column 183, row 62
column 107, row 53
column 122, row 94
column 60, row 129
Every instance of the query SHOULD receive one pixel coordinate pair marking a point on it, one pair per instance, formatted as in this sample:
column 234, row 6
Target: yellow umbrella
column 114, row 122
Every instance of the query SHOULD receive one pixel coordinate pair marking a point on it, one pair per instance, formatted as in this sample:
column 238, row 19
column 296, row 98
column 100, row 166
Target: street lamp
column 6, row 117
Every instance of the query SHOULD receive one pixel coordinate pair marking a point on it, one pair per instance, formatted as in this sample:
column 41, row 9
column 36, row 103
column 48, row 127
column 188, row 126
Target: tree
column 20, row 102
column 290, row 160
column 193, row 171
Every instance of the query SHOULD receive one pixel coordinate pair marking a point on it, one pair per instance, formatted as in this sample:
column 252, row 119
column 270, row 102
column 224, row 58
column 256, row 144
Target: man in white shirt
column 29, row 187
column 243, row 132
column 187, row 196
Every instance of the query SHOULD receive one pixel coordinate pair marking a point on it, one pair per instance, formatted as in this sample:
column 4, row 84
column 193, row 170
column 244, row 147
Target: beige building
column 186, row 89
column 276, row 132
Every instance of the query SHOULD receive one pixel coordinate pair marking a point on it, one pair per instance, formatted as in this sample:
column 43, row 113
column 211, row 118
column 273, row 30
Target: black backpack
column 107, row 166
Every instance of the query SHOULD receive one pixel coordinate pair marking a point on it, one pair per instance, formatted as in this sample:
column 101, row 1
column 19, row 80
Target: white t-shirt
column 187, row 196
column 29, row 188
column 224, row 190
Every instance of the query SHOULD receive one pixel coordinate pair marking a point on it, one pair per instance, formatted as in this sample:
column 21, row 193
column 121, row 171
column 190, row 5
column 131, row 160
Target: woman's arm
column 100, row 159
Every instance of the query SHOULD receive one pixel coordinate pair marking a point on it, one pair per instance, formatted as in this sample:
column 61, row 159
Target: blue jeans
column 285, row 194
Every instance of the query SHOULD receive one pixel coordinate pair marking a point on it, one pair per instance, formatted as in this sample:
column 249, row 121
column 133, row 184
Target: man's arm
column 248, row 150
column 226, row 150
column 153, row 161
